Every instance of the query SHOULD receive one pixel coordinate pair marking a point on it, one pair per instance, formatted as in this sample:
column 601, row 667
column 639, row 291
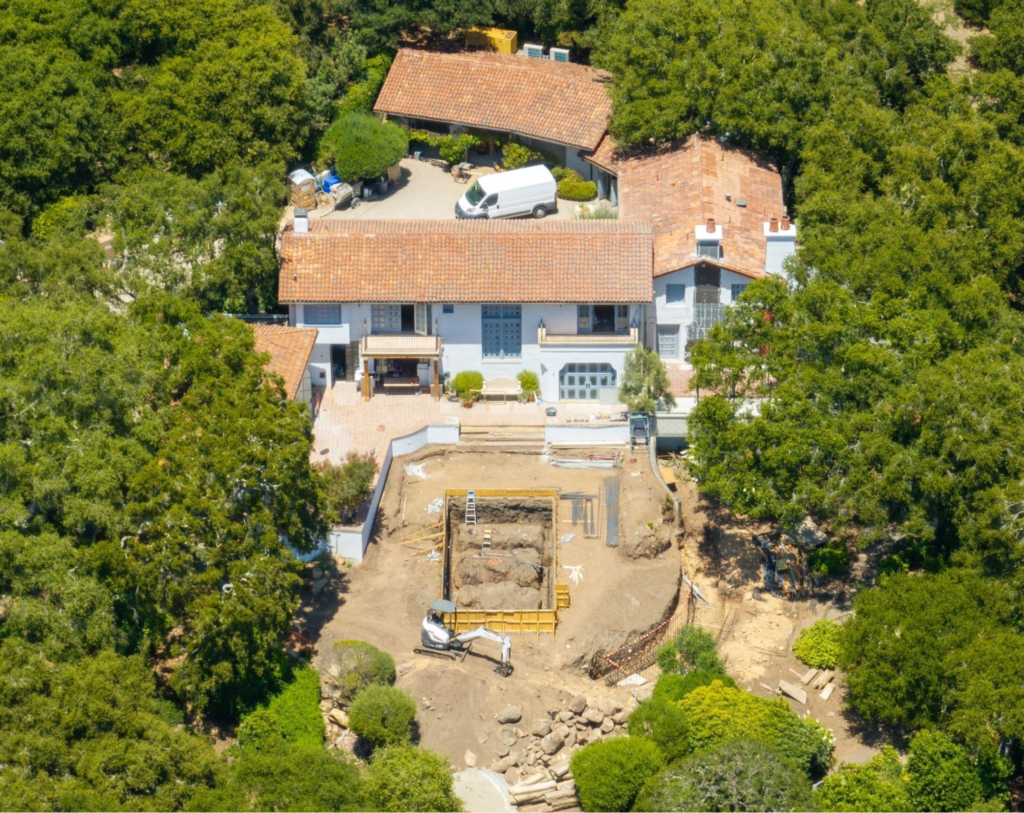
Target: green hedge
column 831, row 560
column 529, row 381
column 718, row 714
column 675, row 687
column 404, row 778
column 819, row 645
column 692, row 648
column 571, row 185
column 663, row 723
column 517, row 156
column 610, row 773
column 359, row 665
column 291, row 717
column 382, row 715
column 452, row 147
column 467, row 381
column 361, row 146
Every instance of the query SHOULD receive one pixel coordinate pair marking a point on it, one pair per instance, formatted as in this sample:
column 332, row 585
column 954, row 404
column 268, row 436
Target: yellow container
column 494, row 39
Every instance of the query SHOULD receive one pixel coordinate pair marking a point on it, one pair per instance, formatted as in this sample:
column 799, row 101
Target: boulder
column 402, row 668
column 502, row 765
column 512, row 776
column 501, row 750
column 551, row 744
column 470, row 759
column 582, row 737
column 561, row 729
column 334, row 671
column 577, row 704
column 507, row 736
column 607, row 726
column 593, row 716
column 509, row 714
column 564, row 716
column 540, row 728
column 621, row 717
column 609, row 707
column 570, row 738
column 338, row 717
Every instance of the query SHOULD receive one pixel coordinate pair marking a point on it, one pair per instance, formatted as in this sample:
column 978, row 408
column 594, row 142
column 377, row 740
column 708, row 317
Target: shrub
column 382, row 715
column 358, row 665
column 675, row 687
column 741, row 775
column 363, row 147
column 692, row 648
column 819, row 645
column 831, row 560
column 878, row 785
column 402, row 777
column 663, row 723
column 467, row 381
column 292, row 717
column 529, row 381
column 610, row 773
column 941, row 777
column 451, row 147
column 516, row 156
column 347, row 486
column 602, row 210
column 718, row 714
column 360, row 96
column 571, row 186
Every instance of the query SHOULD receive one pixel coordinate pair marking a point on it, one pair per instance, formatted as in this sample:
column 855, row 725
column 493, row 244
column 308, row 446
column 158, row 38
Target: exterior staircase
column 523, row 439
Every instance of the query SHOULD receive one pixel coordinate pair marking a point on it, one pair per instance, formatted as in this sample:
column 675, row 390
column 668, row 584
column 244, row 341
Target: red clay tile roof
column 679, row 186
column 604, row 156
column 553, row 101
column 605, row 261
column 289, row 349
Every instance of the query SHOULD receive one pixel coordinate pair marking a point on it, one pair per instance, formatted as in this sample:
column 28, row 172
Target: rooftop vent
column 533, row 51
column 301, row 221
column 559, row 54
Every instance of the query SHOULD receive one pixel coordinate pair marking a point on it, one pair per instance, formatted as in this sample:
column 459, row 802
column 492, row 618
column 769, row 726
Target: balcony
column 400, row 345
column 627, row 339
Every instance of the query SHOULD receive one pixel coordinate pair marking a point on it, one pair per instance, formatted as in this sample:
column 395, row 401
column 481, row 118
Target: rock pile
column 534, row 755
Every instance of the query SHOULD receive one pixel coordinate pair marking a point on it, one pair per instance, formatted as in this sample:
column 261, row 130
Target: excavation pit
column 500, row 570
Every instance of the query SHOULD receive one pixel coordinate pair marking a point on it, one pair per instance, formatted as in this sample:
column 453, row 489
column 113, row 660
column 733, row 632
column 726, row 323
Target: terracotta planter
column 467, row 404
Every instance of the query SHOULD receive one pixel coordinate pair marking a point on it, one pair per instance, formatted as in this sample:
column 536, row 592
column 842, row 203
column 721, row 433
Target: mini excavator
column 440, row 641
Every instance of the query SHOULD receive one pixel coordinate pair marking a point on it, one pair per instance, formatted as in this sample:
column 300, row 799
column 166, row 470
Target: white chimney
column 709, row 239
column 301, row 221
column 780, row 243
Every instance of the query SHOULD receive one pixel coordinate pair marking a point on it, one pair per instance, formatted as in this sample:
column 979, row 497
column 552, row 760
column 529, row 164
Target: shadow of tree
column 318, row 607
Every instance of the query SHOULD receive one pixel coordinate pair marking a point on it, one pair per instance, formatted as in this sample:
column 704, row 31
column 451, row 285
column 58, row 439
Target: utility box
column 493, row 39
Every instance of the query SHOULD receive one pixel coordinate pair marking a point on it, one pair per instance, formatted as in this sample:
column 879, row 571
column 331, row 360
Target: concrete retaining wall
column 350, row 543
column 584, row 435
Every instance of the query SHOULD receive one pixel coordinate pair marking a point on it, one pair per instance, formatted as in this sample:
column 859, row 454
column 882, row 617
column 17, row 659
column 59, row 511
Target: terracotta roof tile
column 289, row 349
column 604, row 156
column 467, row 261
column 682, row 185
column 554, row 101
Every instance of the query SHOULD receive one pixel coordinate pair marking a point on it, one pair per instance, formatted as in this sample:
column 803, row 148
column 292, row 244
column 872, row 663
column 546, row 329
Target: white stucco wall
column 682, row 315
column 461, row 334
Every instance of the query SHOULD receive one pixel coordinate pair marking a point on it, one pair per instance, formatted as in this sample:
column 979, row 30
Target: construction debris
column 593, row 461
column 788, row 689
column 575, row 573
column 827, row 693
column 807, row 678
column 823, row 679
column 416, row 470
column 435, row 506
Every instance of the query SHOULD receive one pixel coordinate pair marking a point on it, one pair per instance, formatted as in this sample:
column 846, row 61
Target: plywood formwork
column 530, row 621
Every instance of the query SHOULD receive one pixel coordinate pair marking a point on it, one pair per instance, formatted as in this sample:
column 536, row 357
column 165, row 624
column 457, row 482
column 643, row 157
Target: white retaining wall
column 350, row 543
column 587, row 435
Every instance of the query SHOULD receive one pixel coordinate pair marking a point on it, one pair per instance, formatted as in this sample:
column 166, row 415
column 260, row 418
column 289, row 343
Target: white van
column 526, row 191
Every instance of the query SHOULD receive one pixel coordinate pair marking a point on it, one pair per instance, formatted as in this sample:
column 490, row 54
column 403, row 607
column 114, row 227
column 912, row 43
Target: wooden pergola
column 400, row 346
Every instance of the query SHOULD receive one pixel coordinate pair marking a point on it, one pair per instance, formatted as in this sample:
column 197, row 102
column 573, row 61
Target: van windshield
column 475, row 194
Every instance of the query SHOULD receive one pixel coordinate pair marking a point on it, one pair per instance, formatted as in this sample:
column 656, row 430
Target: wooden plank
column 427, row 550
column 827, row 693
column 795, row 692
column 807, row 678
column 823, row 679
column 427, row 538
column 668, row 475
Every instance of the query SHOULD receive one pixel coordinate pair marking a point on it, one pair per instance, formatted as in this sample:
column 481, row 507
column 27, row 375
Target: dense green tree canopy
column 153, row 447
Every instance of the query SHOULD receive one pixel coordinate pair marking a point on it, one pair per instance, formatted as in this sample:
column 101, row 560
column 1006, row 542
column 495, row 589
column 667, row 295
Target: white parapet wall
column 584, row 435
column 351, row 542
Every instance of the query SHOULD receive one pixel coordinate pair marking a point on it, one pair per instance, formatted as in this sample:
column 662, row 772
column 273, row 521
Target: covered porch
column 402, row 362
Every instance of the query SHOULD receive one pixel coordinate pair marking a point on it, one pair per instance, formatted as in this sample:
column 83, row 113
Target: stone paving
column 426, row 192
column 346, row 423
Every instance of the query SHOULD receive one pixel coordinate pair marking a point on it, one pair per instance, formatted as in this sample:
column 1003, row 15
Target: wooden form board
column 509, row 621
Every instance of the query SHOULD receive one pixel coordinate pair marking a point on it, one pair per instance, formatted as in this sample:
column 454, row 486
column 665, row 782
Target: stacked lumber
column 546, row 788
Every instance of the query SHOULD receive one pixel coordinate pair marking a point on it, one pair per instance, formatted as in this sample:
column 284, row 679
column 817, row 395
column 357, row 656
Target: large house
column 400, row 303
column 406, row 302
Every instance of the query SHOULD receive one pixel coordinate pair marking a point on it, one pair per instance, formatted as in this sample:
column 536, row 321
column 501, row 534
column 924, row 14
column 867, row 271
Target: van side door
column 490, row 204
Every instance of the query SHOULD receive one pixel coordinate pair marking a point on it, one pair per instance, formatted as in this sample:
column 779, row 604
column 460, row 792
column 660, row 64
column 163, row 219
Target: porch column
column 435, row 389
column 366, row 379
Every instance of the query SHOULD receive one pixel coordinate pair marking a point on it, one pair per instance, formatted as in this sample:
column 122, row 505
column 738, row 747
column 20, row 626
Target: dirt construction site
column 536, row 565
